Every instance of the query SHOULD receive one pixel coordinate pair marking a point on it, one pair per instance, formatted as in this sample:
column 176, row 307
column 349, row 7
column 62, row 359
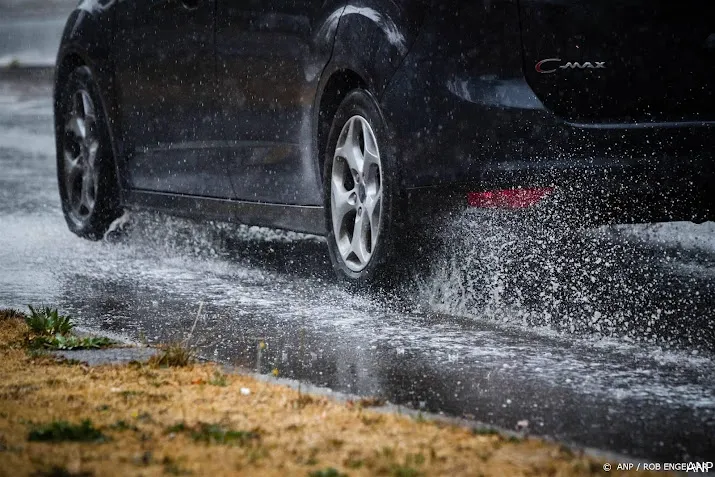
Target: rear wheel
column 362, row 196
column 85, row 162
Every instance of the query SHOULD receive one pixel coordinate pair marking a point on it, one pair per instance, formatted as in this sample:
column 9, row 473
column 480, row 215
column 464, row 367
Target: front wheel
column 362, row 198
column 85, row 162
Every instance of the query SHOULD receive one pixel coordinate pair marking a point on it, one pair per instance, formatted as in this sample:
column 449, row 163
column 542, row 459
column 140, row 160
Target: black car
column 348, row 119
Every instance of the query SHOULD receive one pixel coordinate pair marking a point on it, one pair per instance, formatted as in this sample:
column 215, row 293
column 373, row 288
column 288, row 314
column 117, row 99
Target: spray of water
column 528, row 269
column 169, row 235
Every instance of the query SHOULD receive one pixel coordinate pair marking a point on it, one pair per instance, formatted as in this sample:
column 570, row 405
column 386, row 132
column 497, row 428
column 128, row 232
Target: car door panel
column 165, row 71
column 270, row 55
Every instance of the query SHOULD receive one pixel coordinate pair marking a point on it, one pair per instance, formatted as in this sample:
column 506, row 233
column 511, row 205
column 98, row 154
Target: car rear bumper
column 483, row 137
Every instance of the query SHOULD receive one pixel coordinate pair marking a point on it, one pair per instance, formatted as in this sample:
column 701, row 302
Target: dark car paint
column 270, row 57
column 164, row 70
column 657, row 64
column 238, row 140
column 374, row 37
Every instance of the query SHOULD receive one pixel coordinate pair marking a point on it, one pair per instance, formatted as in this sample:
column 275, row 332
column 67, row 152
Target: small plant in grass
column 173, row 355
column 123, row 425
column 219, row 379
column 72, row 342
column 178, row 353
column 329, row 472
column 46, row 321
column 215, row 434
column 49, row 329
column 176, row 428
column 61, row 431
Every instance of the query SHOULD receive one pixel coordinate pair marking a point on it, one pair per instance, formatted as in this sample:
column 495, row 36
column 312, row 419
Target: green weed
column 46, row 321
column 72, row 342
column 61, row 431
column 215, row 434
column 50, row 330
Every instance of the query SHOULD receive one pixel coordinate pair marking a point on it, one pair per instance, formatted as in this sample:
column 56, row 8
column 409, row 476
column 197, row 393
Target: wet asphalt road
column 604, row 337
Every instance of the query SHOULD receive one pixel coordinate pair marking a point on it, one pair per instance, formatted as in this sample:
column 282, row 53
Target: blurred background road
column 30, row 30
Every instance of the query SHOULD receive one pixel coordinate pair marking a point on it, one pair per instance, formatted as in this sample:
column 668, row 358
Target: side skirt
column 299, row 218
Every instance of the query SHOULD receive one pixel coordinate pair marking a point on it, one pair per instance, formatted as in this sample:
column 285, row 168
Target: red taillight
column 507, row 198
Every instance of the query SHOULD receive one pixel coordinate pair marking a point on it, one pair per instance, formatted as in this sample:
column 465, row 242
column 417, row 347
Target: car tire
column 362, row 198
column 86, row 173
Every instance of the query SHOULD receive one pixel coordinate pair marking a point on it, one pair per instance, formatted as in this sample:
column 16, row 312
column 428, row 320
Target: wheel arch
column 386, row 33
column 336, row 86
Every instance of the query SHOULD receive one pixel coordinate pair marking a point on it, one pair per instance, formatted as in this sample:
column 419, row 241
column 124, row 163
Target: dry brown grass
column 172, row 421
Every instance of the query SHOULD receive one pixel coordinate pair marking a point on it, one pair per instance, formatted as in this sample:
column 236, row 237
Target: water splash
column 530, row 270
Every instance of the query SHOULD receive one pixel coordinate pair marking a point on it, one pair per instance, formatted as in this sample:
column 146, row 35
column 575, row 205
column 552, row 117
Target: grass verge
column 141, row 419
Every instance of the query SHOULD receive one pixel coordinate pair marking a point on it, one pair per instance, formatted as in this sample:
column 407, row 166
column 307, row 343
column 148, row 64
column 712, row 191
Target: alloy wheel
column 80, row 149
column 356, row 193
